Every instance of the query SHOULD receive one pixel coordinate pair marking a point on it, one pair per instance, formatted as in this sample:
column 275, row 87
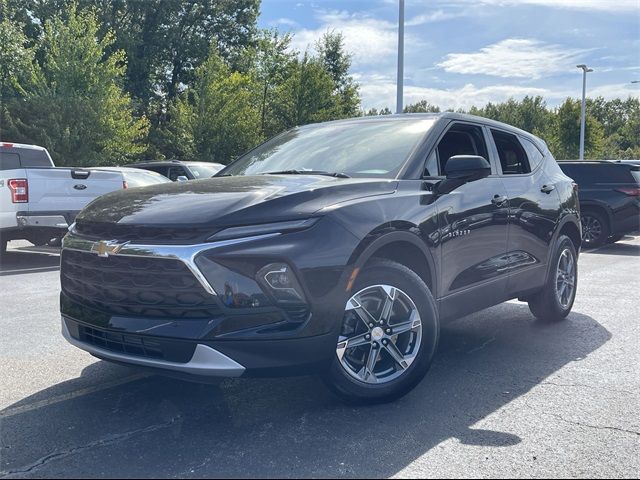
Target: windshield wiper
column 308, row 172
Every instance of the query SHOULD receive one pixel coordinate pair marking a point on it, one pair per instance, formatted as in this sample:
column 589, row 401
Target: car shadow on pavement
column 293, row 427
column 618, row 248
column 19, row 262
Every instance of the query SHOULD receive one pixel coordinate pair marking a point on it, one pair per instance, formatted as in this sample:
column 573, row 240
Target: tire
column 3, row 246
column 615, row 238
column 595, row 229
column 413, row 315
column 553, row 303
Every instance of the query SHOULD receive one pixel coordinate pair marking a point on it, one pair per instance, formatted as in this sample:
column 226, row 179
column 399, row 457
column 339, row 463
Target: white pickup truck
column 38, row 201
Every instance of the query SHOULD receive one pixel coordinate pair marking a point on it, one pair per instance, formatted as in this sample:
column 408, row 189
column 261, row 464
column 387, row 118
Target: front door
column 472, row 222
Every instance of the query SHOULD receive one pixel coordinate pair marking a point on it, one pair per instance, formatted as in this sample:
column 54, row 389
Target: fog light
column 282, row 282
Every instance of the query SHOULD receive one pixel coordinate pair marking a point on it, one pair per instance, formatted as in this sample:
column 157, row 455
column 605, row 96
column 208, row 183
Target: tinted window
column 461, row 139
column 203, row 171
column 512, row 156
column 141, row 179
column 30, row 157
column 161, row 170
column 533, row 153
column 9, row 161
column 362, row 149
column 175, row 172
column 585, row 173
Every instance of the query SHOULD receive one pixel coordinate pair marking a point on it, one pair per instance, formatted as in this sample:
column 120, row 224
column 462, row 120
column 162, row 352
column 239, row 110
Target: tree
column 337, row 63
column 306, row 95
column 564, row 140
column 218, row 119
column 421, row 107
column 77, row 108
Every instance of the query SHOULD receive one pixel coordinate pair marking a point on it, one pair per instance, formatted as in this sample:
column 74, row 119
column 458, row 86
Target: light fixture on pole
column 585, row 70
column 400, row 79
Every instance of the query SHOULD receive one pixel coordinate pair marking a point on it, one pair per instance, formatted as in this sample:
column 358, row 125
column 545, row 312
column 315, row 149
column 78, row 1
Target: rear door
column 533, row 209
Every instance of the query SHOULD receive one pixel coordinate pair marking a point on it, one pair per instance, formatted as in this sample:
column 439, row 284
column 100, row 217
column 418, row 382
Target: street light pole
column 585, row 70
column 400, row 79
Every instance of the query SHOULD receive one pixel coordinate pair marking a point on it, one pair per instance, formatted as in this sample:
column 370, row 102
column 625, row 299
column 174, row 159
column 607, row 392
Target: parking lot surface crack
column 596, row 427
column 108, row 440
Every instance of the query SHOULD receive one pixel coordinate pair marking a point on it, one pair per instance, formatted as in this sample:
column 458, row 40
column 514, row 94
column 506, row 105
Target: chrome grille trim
column 185, row 253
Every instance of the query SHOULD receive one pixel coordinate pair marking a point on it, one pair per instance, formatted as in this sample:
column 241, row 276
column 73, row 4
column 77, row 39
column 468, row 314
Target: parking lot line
column 11, row 412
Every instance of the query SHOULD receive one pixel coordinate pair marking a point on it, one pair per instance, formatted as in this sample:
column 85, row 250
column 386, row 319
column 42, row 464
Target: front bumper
column 172, row 296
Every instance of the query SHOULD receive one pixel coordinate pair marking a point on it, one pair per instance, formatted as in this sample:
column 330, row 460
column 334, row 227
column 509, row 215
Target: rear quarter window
column 599, row 173
column 9, row 161
column 35, row 158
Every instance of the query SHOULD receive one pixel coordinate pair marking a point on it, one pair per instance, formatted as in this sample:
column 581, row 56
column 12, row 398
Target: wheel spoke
column 367, row 372
column 387, row 308
column 345, row 343
column 397, row 356
column 363, row 314
column 413, row 323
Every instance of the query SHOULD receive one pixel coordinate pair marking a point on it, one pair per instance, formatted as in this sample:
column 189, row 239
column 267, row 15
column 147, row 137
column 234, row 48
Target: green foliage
column 77, row 107
column 564, row 138
column 421, row 107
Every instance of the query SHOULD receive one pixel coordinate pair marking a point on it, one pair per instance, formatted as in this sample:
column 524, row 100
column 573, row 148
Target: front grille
column 135, row 286
column 140, row 234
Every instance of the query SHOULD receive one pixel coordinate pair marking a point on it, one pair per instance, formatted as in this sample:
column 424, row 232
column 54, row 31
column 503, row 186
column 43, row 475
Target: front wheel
column 554, row 302
column 595, row 229
column 388, row 337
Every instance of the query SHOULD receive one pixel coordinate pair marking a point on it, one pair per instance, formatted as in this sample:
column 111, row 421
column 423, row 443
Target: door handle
column 499, row 200
column 547, row 189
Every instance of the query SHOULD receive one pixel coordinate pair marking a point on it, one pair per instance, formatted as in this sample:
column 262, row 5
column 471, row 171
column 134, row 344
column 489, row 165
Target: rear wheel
column 388, row 336
column 595, row 229
column 555, row 301
column 615, row 238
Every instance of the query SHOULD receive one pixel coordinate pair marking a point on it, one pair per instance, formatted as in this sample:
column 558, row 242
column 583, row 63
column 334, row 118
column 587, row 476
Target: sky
column 461, row 53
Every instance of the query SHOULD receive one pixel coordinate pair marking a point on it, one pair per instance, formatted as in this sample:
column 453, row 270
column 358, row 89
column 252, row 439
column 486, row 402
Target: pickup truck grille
column 137, row 234
column 135, row 286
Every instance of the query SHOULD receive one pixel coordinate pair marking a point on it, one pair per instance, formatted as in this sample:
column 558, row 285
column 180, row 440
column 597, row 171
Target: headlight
column 263, row 229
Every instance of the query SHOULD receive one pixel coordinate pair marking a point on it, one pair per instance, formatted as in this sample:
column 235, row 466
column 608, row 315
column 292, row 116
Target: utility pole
column 400, row 80
column 583, row 113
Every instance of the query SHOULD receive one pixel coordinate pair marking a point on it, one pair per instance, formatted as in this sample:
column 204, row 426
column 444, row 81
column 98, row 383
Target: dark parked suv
column 175, row 170
column 337, row 248
column 609, row 199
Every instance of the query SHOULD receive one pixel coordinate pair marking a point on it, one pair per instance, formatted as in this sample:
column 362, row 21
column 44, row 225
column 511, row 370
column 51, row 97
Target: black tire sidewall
column 399, row 276
column 604, row 231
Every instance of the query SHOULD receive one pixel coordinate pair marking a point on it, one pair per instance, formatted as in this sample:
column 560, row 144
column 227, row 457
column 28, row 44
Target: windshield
column 142, row 179
column 359, row 149
column 204, row 171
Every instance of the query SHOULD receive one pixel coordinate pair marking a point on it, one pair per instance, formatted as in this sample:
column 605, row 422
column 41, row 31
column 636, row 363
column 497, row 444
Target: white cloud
column 287, row 22
column 611, row 6
column 380, row 94
column 514, row 57
column 371, row 41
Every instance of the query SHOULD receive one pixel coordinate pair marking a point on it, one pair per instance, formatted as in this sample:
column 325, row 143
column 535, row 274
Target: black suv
column 175, row 170
column 609, row 198
column 336, row 248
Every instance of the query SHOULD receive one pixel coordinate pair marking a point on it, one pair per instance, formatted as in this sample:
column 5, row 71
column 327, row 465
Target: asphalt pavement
column 506, row 397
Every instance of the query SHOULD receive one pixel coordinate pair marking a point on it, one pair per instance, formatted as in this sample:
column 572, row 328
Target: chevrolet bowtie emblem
column 104, row 248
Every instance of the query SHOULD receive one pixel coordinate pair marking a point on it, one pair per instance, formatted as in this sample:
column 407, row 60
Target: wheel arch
column 404, row 247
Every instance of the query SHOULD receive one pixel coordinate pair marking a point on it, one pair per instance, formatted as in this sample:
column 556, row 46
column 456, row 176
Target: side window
column 161, row 170
column 513, row 158
column 534, row 154
column 9, row 161
column 175, row 172
column 431, row 168
column 461, row 139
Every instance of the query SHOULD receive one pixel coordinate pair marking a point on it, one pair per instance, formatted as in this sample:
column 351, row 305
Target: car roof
column 125, row 170
column 462, row 117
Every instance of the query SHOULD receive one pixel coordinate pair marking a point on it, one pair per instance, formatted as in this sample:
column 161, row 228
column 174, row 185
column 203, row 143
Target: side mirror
column 461, row 169
column 182, row 178
column 467, row 168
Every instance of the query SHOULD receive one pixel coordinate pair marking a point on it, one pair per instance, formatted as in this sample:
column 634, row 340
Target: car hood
column 225, row 201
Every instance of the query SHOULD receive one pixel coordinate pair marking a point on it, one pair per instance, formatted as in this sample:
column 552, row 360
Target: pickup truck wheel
column 595, row 229
column 555, row 301
column 388, row 337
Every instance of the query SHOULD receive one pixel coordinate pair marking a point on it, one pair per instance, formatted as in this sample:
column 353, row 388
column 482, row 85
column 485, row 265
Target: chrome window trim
column 185, row 253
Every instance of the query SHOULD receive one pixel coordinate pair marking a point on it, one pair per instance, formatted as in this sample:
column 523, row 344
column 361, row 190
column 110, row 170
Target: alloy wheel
column 565, row 278
column 381, row 334
column 591, row 229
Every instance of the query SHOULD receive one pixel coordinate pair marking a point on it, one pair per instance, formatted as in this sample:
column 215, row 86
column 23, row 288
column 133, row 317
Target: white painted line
column 10, row 412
